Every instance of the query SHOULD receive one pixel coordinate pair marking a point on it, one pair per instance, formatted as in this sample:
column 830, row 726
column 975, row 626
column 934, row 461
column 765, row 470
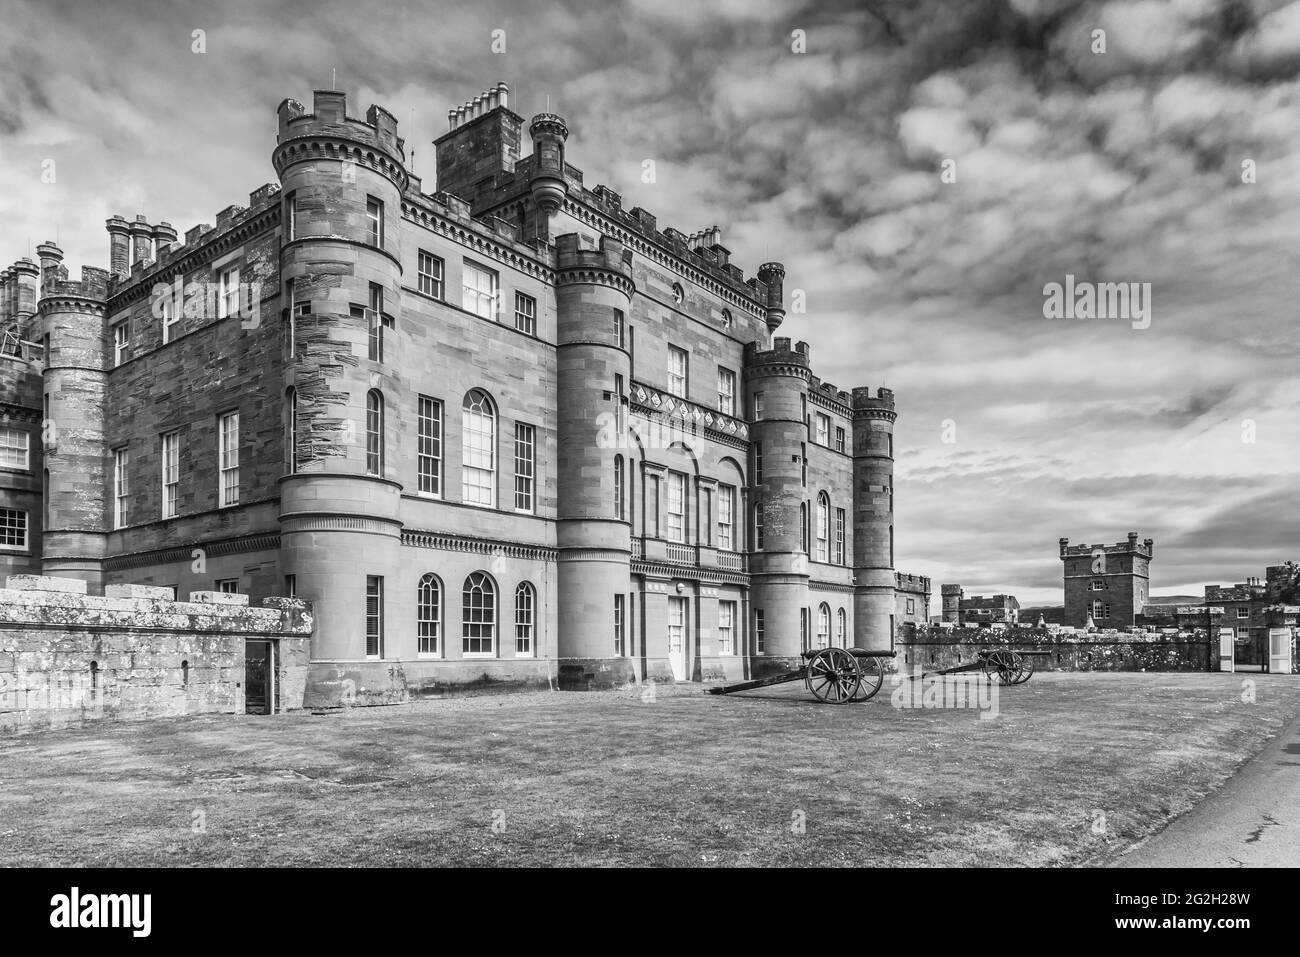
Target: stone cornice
column 591, row 276
column 663, row 570
column 653, row 251
column 64, row 302
column 889, row 415
column 826, row 402
column 185, row 553
column 769, row 369
column 314, row 146
column 446, row 542
column 470, row 239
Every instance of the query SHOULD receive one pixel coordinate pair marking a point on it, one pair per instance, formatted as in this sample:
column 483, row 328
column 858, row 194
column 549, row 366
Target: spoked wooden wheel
column 1000, row 666
column 833, row 676
column 1025, row 663
column 872, row 677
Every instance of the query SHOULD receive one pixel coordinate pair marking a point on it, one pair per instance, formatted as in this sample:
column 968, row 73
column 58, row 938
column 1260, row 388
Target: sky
column 924, row 170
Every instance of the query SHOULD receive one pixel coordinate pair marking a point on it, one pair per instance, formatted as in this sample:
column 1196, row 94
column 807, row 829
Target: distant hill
column 1175, row 599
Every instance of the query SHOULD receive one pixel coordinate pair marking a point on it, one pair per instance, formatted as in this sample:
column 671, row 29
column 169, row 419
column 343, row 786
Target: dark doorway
column 259, row 672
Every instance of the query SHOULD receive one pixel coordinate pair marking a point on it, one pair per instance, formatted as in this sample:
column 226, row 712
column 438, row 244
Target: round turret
column 547, row 185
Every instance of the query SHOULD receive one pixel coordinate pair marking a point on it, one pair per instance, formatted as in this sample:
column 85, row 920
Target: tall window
column 300, row 309
column 618, row 626
column 431, row 273
column 677, row 363
column 726, row 627
column 291, row 427
column 171, row 473
column 121, row 487
column 805, row 639
column 13, row 529
column 620, row 338
column 842, row 620
column 525, row 604
column 524, row 467
column 758, row 463
column 839, row 439
column 291, row 216
column 726, row 391
column 760, row 633
column 478, row 616
column 15, row 449
column 758, row 526
column 429, row 446
column 823, row 626
column 375, row 214
column 377, row 321
column 823, row 527
column 675, row 507
column 803, row 526
column 228, row 458
column 526, row 314
column 374, row 616
column 480, row 290
column 478, row 435
column 726, row 511
column 374, row 433
column 228, row 292
column 618, row 486
column 120, row 343
column 169, row 320
column 758, row 406
column 823, row 429
column 428, row 615
column 839, row 536
column 652, row 506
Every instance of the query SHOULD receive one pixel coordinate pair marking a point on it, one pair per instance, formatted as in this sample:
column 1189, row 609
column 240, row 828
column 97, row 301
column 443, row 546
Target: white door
column 677, row 637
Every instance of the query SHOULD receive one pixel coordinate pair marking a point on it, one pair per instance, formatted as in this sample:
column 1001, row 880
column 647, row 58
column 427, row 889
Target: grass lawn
column 607, row 778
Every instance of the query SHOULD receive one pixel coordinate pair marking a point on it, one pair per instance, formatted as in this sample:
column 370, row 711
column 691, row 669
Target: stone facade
column 67, row 656
column 505, row 433
column 913, row 599
column 1109, row 583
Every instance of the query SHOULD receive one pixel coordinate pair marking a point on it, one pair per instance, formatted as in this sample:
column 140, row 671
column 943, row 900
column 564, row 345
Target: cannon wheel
column 873, row 676
column 1026, row 663
column 833, row 676
column 1000, row 666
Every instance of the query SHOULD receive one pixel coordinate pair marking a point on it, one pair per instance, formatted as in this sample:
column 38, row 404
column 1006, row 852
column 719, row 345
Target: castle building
column 913, row 599
column 1107, row 583
column 958, row 609
column 503, row 432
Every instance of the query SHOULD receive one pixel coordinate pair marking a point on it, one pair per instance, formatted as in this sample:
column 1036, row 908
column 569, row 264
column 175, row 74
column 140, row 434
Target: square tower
column 1110, row 583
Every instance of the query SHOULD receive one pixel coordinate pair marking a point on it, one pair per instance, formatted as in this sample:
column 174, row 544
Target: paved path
column 1252, row 821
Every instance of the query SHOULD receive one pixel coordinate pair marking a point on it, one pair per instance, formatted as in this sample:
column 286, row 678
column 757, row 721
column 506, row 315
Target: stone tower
column 342, row 181
column 873, row 518
column 1109, row 582
column 776, row 382
column 594, row 371
column 952, row 595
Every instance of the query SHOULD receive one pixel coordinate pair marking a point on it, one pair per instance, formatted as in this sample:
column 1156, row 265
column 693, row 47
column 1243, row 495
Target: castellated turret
column 776, row 385
column 72, row 316
column 593, row 374
column 952, row 595
column 342, row 180
column 873, row 517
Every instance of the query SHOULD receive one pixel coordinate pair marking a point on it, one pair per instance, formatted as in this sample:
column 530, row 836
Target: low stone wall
column 66, row 656
column 934, row 649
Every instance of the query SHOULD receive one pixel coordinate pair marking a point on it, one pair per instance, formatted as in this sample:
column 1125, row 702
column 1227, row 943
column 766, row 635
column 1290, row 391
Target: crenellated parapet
column 781, row 360
column 878, row 406
column 610, row 264
column 327, row 132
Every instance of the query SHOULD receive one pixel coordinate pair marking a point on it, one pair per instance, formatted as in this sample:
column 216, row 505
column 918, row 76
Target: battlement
column 1130, row 547
column 950, row 589
column 328, row 116
column 883, row 399
column 828, row 390
column 911, row 583
column 93, row 284
column 781, row 353
column 610, row 255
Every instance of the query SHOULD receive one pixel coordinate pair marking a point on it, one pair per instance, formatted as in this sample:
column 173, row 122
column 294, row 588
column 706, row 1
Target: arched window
column 478, row 616
column 823, row 625
column 428, row 615
column 374, row 433
column 291, row 427
column 843, row 629
column 478, row 435
column 823, row 527
column 525, row 605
